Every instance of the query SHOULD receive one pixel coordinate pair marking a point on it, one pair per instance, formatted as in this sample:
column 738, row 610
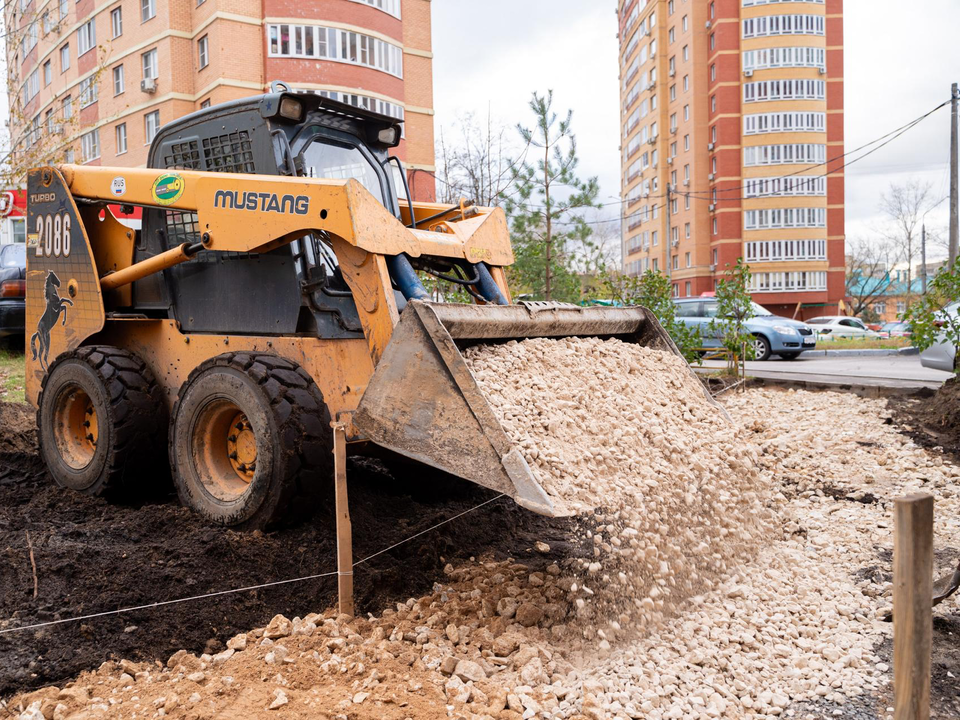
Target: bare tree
column 476, row 164
column 868, row 271
column 904, row 206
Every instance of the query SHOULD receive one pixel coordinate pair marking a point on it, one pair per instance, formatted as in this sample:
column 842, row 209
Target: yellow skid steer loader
column 273, row 285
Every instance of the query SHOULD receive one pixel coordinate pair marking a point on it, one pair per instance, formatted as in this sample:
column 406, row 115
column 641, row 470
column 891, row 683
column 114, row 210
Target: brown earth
column 932, row 420
column 92, row 556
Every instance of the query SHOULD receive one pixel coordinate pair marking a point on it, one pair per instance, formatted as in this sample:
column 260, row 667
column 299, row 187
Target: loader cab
column 293, row 289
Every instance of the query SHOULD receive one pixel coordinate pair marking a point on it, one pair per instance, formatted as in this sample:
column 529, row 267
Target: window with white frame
column 116, row 21
column 804, row 281
column 64, row 9
column 789, row 154
column 784, row 122
column 785, row 250
column 65, row 58
column 30, row 37
column 86, row 37
column 901, row 307
column 785, row 186
column 793, row 89
column 766, row 58
column 775, row 218
column 205, row 104
column 751, row 3
column 148, row 10
column 771, row 25
column 338, row 45
column 47, row 73
column 32, row 86
column 203, row 54
column 149, row 65
column 121, row 136
column 118, row 80
column 151, row 125
column 880, row 308
column 89, row 91
column 90, row 145
column 48, row 121
column 67, row 107
column 391, row 7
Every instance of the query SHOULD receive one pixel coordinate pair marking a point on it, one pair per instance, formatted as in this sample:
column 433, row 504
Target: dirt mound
column 943, row 410
column 18, row 429
column 92, row 556
column 934, row 420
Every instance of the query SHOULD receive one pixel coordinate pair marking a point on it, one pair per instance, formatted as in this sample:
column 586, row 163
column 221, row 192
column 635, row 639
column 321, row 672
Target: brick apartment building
column 98, row 78
column 731, row 112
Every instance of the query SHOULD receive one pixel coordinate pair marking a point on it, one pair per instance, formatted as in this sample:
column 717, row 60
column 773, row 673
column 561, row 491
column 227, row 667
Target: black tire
column 761, row 348
column 111, row 393
column 270, row 470
column 790, row 355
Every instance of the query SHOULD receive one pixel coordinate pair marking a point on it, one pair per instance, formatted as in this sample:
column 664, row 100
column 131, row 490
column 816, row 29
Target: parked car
column 895, row 329
column 829, row 327
column 13, row 289
column 773, row 335
column 942, row 355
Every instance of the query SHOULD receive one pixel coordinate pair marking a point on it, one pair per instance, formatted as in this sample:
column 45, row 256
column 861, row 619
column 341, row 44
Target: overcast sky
column 899, row 65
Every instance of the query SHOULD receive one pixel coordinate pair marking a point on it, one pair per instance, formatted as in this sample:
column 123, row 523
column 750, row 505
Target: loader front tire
column 250, row 441
column 101, row 422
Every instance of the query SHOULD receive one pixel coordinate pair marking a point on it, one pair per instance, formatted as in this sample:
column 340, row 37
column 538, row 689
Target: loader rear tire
column 101, row 422
column 250, row 441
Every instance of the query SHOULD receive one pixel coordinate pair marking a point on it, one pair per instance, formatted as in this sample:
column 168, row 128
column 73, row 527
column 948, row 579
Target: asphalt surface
column 901, row 372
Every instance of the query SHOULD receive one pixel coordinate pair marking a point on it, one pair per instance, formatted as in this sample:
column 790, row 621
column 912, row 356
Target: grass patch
column 12, row 375
column 865, row 344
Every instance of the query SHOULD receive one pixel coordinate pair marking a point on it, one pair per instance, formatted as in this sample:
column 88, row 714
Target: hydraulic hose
column 403, row 274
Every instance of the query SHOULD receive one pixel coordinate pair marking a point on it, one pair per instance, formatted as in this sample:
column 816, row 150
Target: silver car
column 829, row 327
column 942, row 355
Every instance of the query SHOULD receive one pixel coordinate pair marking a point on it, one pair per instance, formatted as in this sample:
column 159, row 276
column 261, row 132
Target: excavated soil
column 932, row 421
column 92, row 556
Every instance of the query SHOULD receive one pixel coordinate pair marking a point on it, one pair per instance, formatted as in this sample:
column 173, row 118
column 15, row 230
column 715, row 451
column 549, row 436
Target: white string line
column 248, row 588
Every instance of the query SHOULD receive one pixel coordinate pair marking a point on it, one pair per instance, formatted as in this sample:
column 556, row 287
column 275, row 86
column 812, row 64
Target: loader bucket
column 423, row 402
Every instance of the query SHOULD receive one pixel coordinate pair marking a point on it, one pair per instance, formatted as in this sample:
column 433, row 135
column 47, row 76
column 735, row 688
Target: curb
column 881, row 352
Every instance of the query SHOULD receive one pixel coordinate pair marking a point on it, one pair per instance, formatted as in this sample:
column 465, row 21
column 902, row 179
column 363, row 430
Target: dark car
column 13, row 289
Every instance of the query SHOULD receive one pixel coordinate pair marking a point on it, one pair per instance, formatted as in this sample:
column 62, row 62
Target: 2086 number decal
column 53, row 235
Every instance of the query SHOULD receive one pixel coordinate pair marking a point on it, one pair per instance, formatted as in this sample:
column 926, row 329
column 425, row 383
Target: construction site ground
column 836, row 461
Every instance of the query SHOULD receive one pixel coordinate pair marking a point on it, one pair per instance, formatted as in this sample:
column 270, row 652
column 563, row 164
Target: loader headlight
column 291, row 109
column 389, row 136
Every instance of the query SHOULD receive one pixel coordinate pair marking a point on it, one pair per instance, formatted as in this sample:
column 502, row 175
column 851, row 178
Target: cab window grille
column 229, row 153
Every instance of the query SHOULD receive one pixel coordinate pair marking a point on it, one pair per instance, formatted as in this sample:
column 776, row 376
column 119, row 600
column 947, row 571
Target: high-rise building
column 732, row 111
column 99, row 78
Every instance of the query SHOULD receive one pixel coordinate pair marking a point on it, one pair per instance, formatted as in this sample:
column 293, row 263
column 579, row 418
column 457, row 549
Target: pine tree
column 547, row 195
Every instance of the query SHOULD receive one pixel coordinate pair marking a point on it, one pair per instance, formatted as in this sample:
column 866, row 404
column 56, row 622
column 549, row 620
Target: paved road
column 884, row 371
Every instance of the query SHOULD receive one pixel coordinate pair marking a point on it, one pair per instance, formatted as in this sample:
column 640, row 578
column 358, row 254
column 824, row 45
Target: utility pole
column 954, row 226
column 923, row 255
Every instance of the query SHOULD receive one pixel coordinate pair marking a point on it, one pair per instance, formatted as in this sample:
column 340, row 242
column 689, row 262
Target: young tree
column 868, row 276
column 929, row 323
column 476, row 164
column 734, row 308
column 546, row 207
column 904, row 206
column 654, row 291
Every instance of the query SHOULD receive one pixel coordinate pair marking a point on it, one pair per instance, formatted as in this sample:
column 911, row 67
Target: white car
column 829, row 327
column 942, row 355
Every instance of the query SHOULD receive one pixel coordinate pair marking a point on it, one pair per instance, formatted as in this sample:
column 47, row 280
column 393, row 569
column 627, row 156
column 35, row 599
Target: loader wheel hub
column 224, row 449
column 75, row 427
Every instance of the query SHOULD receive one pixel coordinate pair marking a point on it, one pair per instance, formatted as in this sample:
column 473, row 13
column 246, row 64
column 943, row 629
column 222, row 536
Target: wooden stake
column 344, row 529
column 912, row 601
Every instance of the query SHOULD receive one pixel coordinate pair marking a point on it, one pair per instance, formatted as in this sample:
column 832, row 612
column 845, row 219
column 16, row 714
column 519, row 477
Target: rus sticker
column 168, row 188
column 118, row 186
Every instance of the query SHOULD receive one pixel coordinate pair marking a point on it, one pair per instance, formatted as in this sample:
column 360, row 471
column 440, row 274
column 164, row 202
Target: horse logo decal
column 55, row 306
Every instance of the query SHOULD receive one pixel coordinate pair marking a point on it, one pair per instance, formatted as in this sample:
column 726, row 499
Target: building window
column 790, row 154
column 64, row 8
column 65, row 58
column 391, row 7
column 148, row 10
column 673, row 93
column 686, row 112
column 686, row 287
column 67, row 105
column 118, row 80
column 785, row 250
column 148, row 64
column 202, row 51
column 310, row 41
column 670, row 8
column 89, row 92
column 47, row 73
column 785, row 57
column 713, row 41
column 686, row 53
column 784, row 122
column 151, row 125
column 713, row 103
column 713, row 134
column 788, row 282
column 791, row 185
column 116, row 21
column 770, row 25
column 90, row 146
column 901, row 307
column 205, row 104
column 751, row 3
column 31, row 87
column 671, row 36
column 121, row 132
column 775, row 218
column 713, row 72
column 714, row 250
column 880, row 308
column 686, row 142
column 685, row 23
column 86, row 37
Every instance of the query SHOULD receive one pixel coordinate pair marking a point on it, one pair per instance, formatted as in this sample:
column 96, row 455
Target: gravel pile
column 790, row 629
